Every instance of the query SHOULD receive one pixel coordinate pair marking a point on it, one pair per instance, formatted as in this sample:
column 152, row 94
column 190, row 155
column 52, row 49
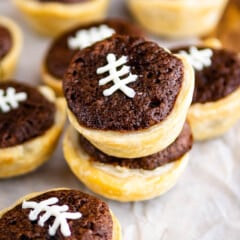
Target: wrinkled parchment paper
column 204, row 205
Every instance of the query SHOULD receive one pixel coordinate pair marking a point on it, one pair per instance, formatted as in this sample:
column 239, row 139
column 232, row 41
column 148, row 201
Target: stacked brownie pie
column 127, row 103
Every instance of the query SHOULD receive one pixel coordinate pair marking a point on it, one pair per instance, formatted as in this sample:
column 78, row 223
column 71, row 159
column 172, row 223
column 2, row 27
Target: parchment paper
column 204, row 205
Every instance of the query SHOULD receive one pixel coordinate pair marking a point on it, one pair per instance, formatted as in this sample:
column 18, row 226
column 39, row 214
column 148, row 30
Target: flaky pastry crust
column 8, row 63
column 26, row 157
column 131, row 186
column 145, row 142
column 53, row 18
column 179, row 18
column 212, row 119
column 117, row 235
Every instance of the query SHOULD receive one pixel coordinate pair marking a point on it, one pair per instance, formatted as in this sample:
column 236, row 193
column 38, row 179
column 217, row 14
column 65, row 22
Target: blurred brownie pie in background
column 51, row 17
column 64, row 47
column 31, row 120
column 216, row 102
column 10, row 47
column 178, row 18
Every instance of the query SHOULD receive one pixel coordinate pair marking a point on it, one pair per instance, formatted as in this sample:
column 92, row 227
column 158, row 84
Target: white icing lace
column 198, row 58
column 59, row 212
column 85, row 38
column 115, row 76
column 10, row 100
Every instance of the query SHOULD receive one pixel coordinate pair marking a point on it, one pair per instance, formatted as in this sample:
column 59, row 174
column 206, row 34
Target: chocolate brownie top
column 59, row 54
column 218, row 80
column 5, row 41
column 31, row 119
column 159, row 78
column 173, row 152
column 94, row 224
column 64, row 1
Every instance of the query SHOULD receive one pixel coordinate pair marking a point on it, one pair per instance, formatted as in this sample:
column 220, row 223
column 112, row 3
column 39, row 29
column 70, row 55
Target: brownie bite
column 32, row 118
column 158, row 83
column 86, row 218
column 219, row 79
column 128, row 96
column 31, row 121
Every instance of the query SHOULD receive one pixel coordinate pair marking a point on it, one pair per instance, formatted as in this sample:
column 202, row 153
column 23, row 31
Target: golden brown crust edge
column 210, row 120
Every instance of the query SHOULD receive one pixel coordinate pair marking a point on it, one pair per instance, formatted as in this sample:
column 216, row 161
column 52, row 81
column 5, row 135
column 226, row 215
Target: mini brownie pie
column 51, row 17
column 125, row 179
column 216, row 102
column 178, row 18
column 31, row 120
column 59, row 214
column 128, row 96
column 64, row 47
column 10, row 47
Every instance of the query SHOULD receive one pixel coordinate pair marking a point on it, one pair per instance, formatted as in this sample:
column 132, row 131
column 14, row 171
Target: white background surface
column 204, row 205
